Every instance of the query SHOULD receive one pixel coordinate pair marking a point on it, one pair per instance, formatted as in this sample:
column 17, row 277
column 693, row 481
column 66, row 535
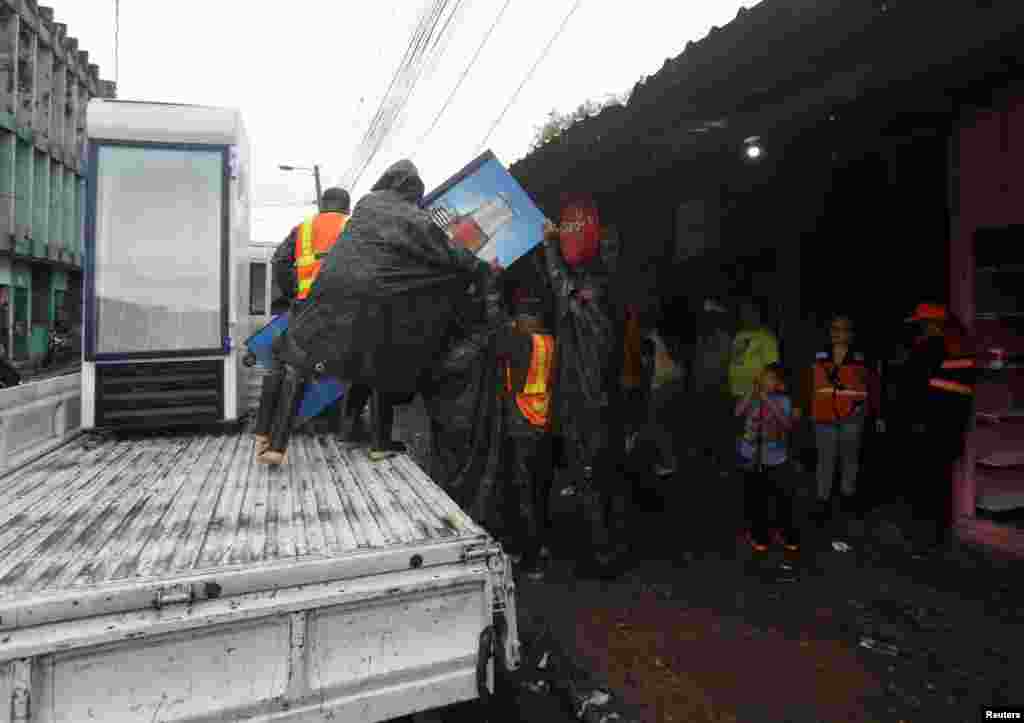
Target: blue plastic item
column 319, row 394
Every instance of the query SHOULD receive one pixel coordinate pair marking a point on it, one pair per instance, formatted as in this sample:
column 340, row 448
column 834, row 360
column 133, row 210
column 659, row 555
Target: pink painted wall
column 990, row 193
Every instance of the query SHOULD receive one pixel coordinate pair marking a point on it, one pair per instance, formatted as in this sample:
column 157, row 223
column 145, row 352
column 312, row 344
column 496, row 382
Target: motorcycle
column 58, row 350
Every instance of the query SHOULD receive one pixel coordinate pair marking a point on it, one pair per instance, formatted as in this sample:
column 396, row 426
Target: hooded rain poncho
column 387, row 291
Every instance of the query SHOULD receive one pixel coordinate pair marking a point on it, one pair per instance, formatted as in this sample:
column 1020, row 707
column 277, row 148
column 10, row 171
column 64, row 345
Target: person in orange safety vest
column 526, row 353
column 939, row 376
column 844, row 394
column 297, row 260
column 296, row 263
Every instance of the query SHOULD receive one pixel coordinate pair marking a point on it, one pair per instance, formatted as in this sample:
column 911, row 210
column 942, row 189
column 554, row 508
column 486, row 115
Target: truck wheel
column 249, row 359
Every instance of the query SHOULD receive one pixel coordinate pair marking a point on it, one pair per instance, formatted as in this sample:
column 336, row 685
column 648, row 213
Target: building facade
column 887, row 178
column 46, row 83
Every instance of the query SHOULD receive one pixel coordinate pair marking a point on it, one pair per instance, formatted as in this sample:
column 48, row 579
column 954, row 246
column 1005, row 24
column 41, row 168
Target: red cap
column 929, row 312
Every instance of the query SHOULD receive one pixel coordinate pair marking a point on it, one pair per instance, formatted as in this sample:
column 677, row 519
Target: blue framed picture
column 483, row 208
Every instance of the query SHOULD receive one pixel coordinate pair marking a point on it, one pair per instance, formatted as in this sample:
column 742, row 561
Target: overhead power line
column 400, row 104
column 465, row 74
column 529, row 75
column 402, row 68
column 431, row 49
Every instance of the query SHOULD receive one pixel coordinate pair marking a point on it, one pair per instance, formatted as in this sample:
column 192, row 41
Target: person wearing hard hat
column 297, row 260
column 296, row 264
column 940, row 377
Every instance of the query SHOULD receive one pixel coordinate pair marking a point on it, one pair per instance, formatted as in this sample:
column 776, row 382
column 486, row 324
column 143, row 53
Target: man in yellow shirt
column 753, row 348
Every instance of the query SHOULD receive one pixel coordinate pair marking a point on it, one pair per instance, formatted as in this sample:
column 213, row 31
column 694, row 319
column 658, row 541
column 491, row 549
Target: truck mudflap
column 485, row 666
column 503, row 582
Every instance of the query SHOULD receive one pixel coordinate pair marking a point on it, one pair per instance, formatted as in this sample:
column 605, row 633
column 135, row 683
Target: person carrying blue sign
column 377, row 312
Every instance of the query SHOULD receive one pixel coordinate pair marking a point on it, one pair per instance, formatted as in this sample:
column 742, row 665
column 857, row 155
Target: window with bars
column 257, row 289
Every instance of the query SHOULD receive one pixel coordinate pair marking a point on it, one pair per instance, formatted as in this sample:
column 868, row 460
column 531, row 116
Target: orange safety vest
column 535, row 399
column 957, row 376
column 313, row 240
column 833, row 403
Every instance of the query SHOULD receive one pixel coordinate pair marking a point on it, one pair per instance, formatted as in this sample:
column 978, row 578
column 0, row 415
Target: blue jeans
column 842, row 440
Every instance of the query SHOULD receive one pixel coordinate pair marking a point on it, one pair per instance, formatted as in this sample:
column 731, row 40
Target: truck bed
column 104, row 525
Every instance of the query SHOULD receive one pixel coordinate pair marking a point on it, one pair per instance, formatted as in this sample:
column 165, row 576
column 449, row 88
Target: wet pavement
column 696, row 627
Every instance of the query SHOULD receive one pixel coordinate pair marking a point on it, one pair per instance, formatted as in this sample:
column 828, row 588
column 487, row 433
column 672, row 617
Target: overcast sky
column 309, row 75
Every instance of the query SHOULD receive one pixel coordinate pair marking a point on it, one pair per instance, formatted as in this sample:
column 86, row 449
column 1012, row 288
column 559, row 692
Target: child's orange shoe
column 755, row 545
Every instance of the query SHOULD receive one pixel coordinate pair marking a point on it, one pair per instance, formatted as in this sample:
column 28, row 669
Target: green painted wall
column 69, row 213
column 23, row 191
column 58, row 282
column 21, row 276
column 8, row 146
column 78, row 232
column 54, row 223
column 39, row 341
column 40, row 203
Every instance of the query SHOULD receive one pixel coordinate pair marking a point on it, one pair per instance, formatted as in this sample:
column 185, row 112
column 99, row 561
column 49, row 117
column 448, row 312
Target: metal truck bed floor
column 101, row 515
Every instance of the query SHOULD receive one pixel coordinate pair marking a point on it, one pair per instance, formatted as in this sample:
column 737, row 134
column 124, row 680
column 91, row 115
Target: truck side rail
column 38, row 416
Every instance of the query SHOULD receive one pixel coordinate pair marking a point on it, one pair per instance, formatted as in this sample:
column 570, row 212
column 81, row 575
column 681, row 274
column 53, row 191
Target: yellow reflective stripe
column 306, row 256
column 536, row 382
column 534, row 401
column 947, row 385
column 841, row 392
column 304, row 264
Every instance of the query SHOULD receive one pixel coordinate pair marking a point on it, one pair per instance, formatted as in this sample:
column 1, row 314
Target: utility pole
column 316, row 178
column 319, row 194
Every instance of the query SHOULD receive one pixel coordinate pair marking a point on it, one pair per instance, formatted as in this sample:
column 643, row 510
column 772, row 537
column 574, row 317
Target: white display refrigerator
column 166, row 266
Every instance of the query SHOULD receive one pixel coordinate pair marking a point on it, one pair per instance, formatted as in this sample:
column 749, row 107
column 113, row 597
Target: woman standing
column 844, row 394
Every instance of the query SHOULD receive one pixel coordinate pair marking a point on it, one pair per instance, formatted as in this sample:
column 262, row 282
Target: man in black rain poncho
column 378, row 310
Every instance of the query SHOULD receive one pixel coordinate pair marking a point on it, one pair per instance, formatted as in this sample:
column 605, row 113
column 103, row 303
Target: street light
column 315, row 170
column 753, row 150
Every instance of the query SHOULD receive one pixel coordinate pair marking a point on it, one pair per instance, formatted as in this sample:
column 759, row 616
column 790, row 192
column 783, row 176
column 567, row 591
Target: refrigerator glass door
column 159, row 249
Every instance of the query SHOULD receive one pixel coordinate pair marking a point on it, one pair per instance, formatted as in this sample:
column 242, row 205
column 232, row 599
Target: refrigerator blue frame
column 90, row 322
